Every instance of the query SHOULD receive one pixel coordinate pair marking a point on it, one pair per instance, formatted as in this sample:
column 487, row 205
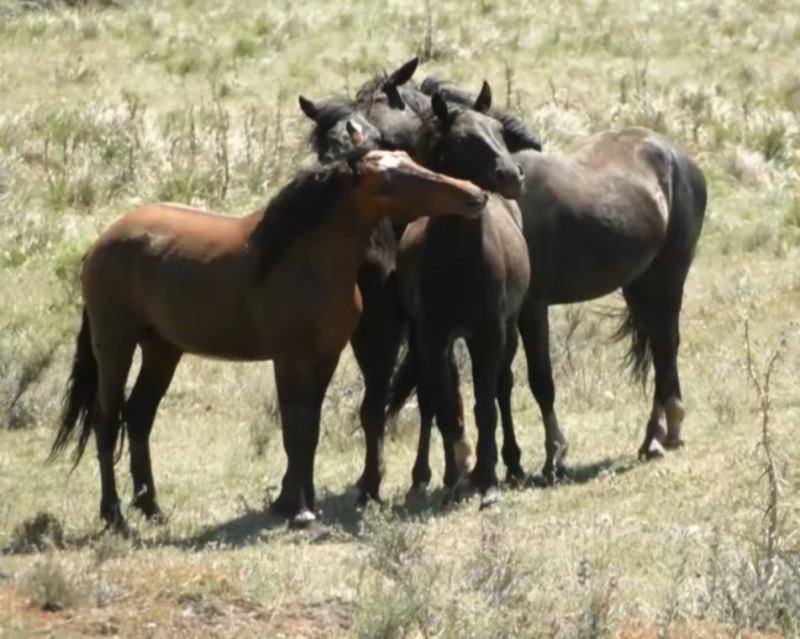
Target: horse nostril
column 520, row 171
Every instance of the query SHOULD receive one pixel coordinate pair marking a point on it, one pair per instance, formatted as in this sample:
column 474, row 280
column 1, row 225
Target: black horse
column 624, row 210
column 466, row 280
column 386, row 110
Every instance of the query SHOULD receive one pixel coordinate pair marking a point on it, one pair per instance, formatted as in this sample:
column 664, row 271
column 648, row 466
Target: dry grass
column 109, row 104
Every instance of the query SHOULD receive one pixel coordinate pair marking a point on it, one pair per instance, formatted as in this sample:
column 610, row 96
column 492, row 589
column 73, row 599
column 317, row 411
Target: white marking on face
column 389, row 161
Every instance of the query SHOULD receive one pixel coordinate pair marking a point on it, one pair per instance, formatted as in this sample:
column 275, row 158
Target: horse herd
column 429, row 216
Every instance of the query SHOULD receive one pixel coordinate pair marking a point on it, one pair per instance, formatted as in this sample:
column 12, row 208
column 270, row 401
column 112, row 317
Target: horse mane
column 301, row 205
column 516, row 135
column 329, row 112
column 415, row 98
column 375, row 83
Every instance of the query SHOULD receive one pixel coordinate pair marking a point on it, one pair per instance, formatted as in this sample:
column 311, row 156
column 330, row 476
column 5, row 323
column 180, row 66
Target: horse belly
column 209, row 317
column 583, row 256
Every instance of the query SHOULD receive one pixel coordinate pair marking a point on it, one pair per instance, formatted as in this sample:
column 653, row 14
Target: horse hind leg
column 159, row 361
column 114, row 354
column 375, row 343
column 654, row 310
column 456, row 464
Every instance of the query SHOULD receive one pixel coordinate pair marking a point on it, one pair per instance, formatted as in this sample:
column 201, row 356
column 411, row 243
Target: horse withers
column 279, row 284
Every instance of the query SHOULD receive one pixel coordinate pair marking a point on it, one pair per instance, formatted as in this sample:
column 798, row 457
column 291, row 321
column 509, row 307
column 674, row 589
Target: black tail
column 79, row 398
column 640, row 355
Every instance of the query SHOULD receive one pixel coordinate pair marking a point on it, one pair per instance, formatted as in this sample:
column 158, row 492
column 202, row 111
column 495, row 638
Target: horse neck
column 339, row 242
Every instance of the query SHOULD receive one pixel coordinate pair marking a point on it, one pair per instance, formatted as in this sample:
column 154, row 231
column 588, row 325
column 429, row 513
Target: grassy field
column 107, row 105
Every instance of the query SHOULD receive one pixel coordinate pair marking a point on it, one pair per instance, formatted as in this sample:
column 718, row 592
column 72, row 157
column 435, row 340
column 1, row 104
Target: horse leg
column 376, row 343
column 655, row 307
column 534, row 328
column 159, row 361
column 421, row 473
column 511, row 451
column 301, row 383
column 114, row 354
column 436, row 375
column 487, row 351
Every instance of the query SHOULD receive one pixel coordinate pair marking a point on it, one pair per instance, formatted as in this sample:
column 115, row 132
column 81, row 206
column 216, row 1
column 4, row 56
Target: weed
column 51, row 587
column 42, row 532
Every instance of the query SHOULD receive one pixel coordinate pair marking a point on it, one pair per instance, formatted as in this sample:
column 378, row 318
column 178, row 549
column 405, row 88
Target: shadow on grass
column 579, row 474
column 339, row 518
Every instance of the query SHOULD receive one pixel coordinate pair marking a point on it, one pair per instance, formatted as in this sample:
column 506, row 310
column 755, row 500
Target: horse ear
column 440, row 107
column 403, row 74
column 308, row 107
column 355, row 132
column 484, row 101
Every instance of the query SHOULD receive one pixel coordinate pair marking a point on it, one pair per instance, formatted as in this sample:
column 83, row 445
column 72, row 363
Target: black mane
column 301, row 205
column 516, row 135
column 375, row 84
column 329, row 112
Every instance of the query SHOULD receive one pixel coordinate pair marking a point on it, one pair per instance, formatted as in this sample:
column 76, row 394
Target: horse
column 278, row 284
column 624, row 210
column 379, row 110
column 377, row 338
column 466, row 279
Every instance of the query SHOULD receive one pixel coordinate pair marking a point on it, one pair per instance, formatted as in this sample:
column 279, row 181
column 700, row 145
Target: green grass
column 107, row 106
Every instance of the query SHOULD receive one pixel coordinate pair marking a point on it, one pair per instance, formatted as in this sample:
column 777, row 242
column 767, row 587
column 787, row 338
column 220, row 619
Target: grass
column 106, row 105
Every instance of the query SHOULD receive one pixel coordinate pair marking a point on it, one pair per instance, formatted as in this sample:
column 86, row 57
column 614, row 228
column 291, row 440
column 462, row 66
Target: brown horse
column 278, row 285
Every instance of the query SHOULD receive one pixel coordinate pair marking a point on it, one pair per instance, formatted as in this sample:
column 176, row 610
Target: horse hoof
column 489, row 498
column 550, row 476
column 283, row 506
column 515, row 478
column 302, row 520
column 452, row 497
column 117, row 525
column 649, row 453
column 364, row 500
column 673, row 443
column 418, row 490
column 156, row 518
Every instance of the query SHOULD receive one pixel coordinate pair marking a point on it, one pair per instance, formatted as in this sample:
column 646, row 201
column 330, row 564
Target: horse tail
column 80, row 395
column 405, row 379
column 640, row 353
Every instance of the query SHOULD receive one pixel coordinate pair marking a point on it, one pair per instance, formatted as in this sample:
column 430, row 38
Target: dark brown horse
column 466, row 279
column 387, row 109
column 624, row 210
column 279, row 285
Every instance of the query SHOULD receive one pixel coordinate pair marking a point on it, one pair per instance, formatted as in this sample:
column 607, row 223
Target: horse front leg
column 511, row 452
column 486, row 350
column 534, row 328
column 301, row 383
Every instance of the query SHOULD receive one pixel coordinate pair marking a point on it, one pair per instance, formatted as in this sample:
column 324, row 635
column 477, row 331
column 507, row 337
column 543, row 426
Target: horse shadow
column 339, row 517
column 583, row 473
